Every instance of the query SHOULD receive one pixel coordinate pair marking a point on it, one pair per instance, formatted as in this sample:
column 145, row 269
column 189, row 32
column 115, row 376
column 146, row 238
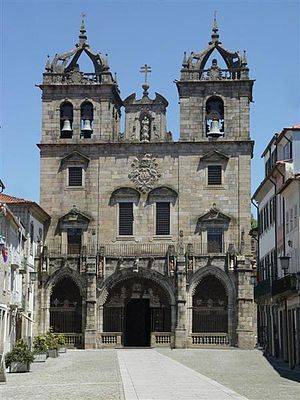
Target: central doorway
column 137, row 327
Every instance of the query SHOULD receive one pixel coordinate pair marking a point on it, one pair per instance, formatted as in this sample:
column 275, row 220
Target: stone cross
column 145, row 70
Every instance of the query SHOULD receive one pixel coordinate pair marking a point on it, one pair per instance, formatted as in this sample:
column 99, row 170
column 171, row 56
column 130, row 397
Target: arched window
column 210, row 306
column 66, row 120
column 125, row 198
column 214, row 117
column 163, row 198
column 87, row 116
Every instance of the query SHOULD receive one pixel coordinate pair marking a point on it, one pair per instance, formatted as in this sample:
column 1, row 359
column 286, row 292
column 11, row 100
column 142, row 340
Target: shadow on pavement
column 283, row 369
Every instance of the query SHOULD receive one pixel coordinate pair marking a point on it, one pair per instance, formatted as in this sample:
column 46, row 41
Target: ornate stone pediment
column 214, row 215
column 144, row 173
column 75, row 158
column 214, row 156
column 74, row 218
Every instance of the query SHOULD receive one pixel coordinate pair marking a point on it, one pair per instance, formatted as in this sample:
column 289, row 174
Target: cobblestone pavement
column 246, row 372
column 149, row 375
column 76, row 375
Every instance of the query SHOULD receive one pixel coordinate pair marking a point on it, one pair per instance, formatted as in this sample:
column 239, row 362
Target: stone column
column 181, row 323
column 91, row 322
column 245, row 306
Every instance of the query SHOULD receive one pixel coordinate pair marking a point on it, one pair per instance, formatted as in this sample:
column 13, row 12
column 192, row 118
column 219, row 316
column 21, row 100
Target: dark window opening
column 74, row 240
column 214, row 240
column 214, row 175
column 75, row 176
column 162, row 218
column 126, row 219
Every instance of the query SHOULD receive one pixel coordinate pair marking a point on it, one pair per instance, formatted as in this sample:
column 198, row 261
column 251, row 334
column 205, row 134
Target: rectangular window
column 214, row 175
column 287, row 151
column 214, row 240
column 162, row 218
column 274, row 208
column 75, row 176
column 126, row 219
column 267, row 215
column 74, row 240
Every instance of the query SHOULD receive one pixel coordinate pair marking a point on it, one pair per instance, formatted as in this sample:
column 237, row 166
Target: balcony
column 288, row 284
column 141, row 250
column 263, row 288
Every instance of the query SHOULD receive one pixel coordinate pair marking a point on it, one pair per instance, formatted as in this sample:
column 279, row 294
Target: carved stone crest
column 144, row 173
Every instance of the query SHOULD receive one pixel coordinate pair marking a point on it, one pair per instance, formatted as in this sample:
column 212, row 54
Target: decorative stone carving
column 144, row 173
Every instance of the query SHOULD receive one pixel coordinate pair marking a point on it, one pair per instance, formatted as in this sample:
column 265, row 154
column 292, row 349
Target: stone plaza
column 151, row 374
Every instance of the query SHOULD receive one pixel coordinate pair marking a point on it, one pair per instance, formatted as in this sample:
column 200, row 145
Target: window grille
column 214, row 175
column 162, row 218
column 75, row 176
column 125, row 218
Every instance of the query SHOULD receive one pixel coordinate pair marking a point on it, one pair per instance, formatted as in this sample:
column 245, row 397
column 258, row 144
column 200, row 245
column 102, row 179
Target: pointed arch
column 126, row 274
column 66, row 272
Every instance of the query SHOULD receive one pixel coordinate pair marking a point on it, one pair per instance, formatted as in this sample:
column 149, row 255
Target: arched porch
column 211, row 309
column 64, row 306
column 136, row 309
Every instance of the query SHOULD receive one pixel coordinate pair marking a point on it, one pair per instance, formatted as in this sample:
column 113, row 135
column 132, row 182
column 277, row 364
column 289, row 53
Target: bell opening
column 87, row 114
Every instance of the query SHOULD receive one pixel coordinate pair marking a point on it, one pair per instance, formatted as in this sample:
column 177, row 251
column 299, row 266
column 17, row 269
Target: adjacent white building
column 22, row 230
column 12, row 242
column 278, row 289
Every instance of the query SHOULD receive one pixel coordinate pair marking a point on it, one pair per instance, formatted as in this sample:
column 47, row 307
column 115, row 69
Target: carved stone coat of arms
column 144, row 173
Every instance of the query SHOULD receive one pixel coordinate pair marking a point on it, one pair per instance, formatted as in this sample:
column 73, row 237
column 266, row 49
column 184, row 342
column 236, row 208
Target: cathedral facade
column 148, row 242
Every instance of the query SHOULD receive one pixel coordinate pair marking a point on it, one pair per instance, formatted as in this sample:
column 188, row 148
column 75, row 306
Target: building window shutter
column 214, row 175
column 126, row 219
column 162, row 218
column 75, row 176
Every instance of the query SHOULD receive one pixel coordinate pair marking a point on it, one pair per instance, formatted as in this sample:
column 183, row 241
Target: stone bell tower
column 214, row 102
column 79, row 106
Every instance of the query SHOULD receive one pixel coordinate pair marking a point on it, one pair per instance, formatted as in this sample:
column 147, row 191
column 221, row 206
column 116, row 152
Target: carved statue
column 145, row 129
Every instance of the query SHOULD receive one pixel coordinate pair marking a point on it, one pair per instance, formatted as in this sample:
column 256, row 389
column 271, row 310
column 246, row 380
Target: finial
column 244, row 59
column 215, row 29
column 48, row 64
column 82, row 36
column 145, row 69
column 184, row 61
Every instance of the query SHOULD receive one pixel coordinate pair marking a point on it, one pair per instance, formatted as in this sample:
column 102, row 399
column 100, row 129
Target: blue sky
column 134, row 33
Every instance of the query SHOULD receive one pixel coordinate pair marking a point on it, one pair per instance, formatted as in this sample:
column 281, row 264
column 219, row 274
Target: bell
column 67, row 126
column 86, row 126
column 214, row 130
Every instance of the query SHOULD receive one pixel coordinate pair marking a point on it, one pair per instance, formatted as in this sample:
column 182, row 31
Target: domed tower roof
column 63, row 68
column 194, row 66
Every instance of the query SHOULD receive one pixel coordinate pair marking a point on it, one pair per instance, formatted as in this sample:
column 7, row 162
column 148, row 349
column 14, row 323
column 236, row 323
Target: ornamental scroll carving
column 144, row 173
